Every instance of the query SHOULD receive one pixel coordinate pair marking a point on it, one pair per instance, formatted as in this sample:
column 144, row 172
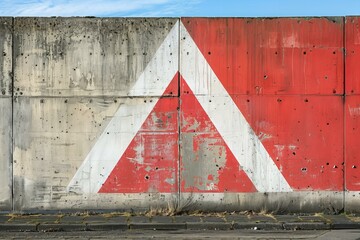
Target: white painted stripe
column 129, row 118
column 228, row 120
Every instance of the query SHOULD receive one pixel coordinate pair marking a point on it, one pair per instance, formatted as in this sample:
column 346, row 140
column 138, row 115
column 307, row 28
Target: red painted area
column 207, row 146
column 352, row 104
column 352, row 44
column 285, row 76
column 297, row 132
column 352, row 150
column 272, row 56
column 150, row 162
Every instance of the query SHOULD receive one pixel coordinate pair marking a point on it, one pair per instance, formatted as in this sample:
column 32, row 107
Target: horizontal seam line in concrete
column 97, row 96
column 168, row 95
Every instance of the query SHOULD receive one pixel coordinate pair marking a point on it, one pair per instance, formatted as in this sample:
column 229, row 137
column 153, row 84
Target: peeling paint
column 354, row 111
column 201, row 157
column 264, row 136
column 280, row 149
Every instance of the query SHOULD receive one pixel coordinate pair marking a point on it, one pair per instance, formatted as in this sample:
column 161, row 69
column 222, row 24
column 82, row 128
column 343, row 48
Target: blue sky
column 176, row 8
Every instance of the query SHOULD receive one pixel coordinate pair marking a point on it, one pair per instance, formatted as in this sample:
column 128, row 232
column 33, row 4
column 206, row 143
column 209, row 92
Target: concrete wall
column 6, row 113
column 188, row 114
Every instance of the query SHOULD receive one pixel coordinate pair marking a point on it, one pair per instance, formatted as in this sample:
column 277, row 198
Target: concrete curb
column 306, row 226
column 258, row 226
column 18, row 227
column 352, row 225
column 107, row 226
column 72, row 227
column 158, row 226
column 208, row 226
column 99, row 222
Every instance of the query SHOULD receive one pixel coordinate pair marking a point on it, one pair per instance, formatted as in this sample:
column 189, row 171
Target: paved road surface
column 188, row 234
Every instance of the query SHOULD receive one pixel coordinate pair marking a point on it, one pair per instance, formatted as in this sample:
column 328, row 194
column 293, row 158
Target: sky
column 178, row 8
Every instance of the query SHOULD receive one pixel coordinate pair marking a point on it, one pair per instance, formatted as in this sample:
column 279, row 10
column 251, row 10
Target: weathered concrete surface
column 5, row 154
column 292, row 202
column 6, row 113
column 6, row 56
column 75, row 116
column 351, row 201
column 52, row 138
column 86, row 56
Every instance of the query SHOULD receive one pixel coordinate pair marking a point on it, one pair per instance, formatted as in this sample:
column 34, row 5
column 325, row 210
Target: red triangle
column 207, row 164
column 150, row 162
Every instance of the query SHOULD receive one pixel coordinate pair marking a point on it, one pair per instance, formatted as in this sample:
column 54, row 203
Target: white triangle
column 213, row 97
column 129, row 118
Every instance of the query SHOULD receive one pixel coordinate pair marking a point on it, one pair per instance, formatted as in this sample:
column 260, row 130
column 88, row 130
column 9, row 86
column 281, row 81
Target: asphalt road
column 188, row 234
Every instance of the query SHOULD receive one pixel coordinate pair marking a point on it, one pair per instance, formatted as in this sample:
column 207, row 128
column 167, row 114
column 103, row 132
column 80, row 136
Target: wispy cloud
column 178, row 8
column 95, row 7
